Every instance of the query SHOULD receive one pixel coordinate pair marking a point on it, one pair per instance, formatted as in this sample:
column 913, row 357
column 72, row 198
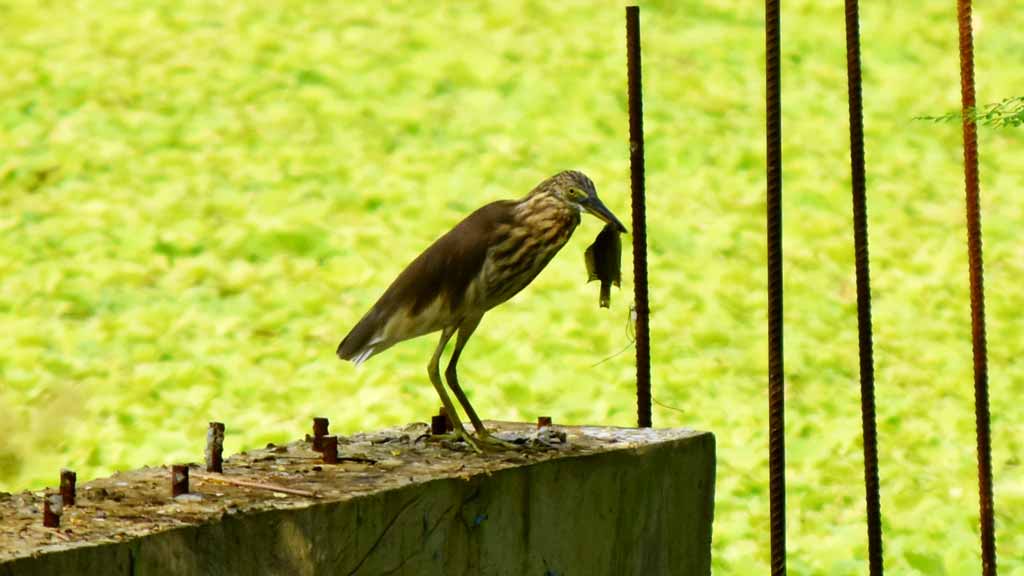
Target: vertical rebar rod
column 776, row 392
column 636, row 179
column 863, row 270
column 974, row 257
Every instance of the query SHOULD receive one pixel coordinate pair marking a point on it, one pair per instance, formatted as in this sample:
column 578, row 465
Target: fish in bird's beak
column 604, row 261
column 598, row 209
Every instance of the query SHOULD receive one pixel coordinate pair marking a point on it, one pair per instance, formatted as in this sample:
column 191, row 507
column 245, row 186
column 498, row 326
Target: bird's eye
column 576, row 193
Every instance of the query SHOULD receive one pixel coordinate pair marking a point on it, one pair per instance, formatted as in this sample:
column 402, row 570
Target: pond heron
column 483, row 261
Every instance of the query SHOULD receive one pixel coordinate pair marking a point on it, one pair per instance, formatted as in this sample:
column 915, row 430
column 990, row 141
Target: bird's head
column 577, row 190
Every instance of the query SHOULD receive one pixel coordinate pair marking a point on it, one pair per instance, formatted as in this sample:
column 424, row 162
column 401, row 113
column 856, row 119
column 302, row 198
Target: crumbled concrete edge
column 642, row 507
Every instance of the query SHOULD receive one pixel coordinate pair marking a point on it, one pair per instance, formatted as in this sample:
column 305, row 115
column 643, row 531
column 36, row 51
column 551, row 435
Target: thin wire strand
column 630, row 330
column 613, row 355
column 666, row 406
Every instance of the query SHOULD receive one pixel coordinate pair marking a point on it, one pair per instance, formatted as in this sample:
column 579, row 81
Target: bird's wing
column 443, row 271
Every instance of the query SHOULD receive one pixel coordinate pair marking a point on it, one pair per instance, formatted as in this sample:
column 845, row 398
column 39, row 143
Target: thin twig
column 54, row 531
column 314, row 458
column 251, row 484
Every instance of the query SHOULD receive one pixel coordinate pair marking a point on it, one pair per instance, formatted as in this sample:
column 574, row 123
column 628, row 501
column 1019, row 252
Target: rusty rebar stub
column 179, row 479
column 215, row 447
column 330, row 449
column 53, row 507
column 449, row 426
column 67, row 486
column 320, row 426
column 543, row 421
column 438, row 424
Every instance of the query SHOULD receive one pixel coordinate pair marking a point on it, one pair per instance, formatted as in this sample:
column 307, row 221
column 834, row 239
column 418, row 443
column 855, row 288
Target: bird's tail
column 360, row 342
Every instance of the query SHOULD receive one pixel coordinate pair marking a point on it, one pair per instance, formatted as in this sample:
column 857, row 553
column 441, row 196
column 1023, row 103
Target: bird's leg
column 483, row 436
column 465, row 331
column 435, row 378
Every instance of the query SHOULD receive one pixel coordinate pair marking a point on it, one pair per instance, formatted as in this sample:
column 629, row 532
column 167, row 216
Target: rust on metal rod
column 215, row 447
column 863, row 271
column 979, row 344
column 330, row 449
column 776, row 391
column 179, row 479
column 636, row 179
column 68, row 480
column 53, row 507
column 319, row 431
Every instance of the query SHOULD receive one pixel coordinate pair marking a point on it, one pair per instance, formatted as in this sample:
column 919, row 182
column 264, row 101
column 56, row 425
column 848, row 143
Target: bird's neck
column 544, row 209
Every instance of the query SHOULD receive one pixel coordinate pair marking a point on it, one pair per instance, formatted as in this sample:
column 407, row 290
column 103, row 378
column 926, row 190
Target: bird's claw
column 492, row 443
column 481, row 443
column 455, row 440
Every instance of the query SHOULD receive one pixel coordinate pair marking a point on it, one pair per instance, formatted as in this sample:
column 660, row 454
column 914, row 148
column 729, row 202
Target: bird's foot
column 492, row 443
column 455, row 440
column 482, row 442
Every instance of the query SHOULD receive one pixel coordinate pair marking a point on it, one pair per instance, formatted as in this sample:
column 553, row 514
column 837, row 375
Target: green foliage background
column 197, row 200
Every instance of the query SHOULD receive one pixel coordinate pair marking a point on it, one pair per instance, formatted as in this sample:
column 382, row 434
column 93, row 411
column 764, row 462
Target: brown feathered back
column 444, row 270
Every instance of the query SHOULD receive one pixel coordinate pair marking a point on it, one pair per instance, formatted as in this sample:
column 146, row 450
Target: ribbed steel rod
column 862, row 265
column 776, row 392
column 974, row 257
column 636, row 178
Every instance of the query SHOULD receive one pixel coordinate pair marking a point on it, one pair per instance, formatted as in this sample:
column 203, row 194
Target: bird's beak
column 598, row 209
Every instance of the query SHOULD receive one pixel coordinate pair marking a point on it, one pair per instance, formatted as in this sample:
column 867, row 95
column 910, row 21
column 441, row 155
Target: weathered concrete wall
column 642, row 506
